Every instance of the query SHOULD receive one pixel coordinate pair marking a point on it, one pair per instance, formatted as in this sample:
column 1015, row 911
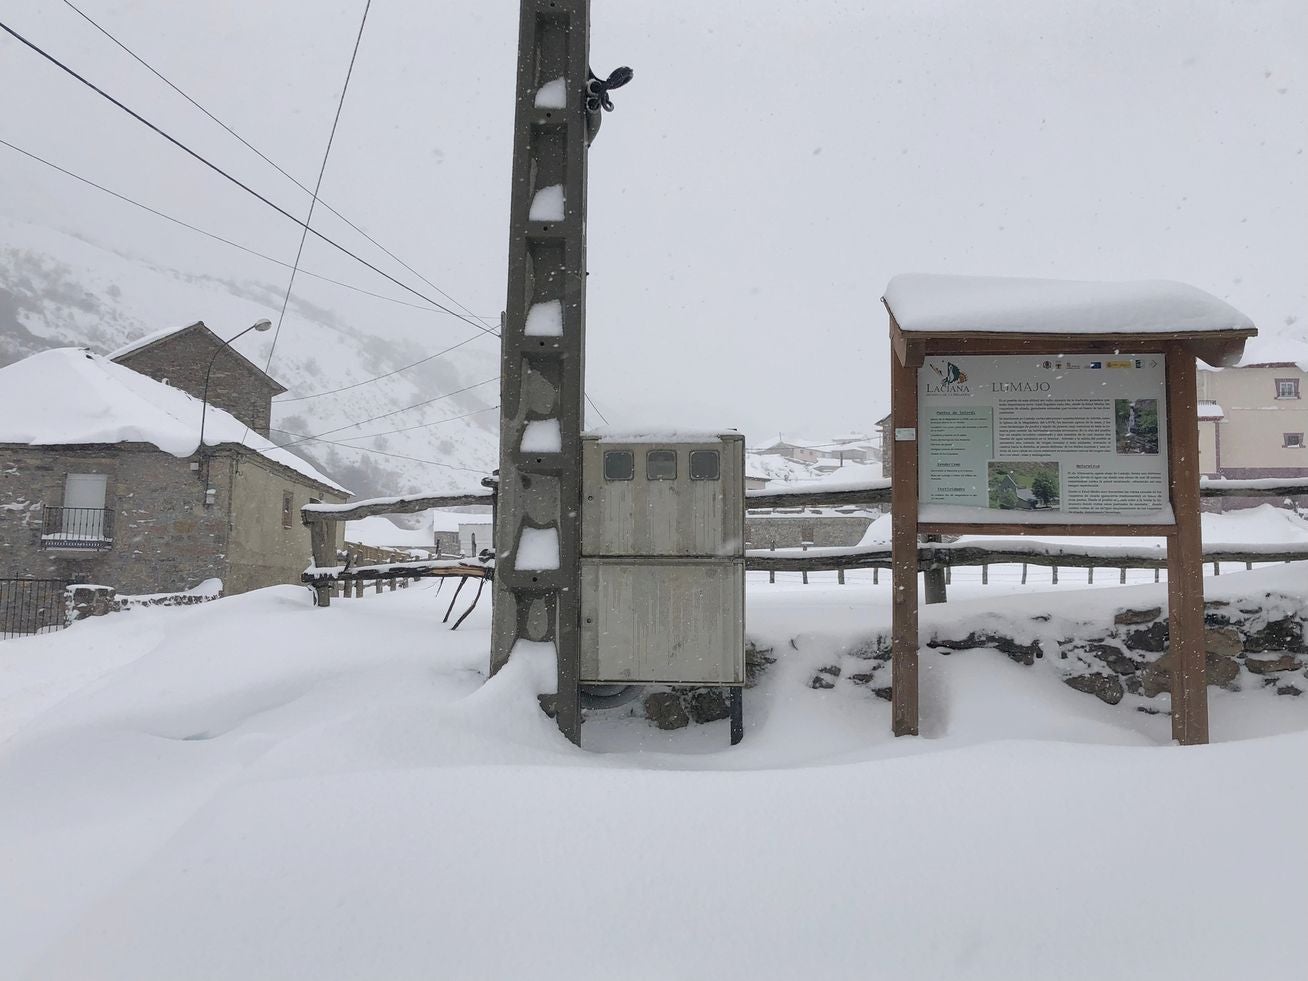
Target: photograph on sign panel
column 1137, row 425
column 1022, row 485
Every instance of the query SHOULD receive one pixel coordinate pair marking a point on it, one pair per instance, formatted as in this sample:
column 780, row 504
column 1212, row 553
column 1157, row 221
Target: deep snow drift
column 259, row 789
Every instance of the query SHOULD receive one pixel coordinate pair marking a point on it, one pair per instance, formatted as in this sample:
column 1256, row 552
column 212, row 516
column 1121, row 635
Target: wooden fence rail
column 952, row 555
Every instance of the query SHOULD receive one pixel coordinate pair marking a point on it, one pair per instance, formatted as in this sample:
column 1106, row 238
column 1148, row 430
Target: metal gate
column 30, row 606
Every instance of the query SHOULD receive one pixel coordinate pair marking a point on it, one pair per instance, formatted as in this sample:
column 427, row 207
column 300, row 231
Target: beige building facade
column 1254, row 421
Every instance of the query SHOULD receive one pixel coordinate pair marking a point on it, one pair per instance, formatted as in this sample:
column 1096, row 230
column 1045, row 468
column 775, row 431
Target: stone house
column 102, row 479
column 181, row 358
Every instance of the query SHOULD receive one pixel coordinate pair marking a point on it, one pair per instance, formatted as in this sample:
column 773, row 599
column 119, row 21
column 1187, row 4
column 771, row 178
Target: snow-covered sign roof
column 924, row 302
column 149, row 340
column 69, row 396
column 1210, row 410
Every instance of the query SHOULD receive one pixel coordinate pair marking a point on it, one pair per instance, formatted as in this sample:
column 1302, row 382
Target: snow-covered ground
column 255, row 788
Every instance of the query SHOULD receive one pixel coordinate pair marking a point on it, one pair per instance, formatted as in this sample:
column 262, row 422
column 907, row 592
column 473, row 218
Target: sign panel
column 1043, row 440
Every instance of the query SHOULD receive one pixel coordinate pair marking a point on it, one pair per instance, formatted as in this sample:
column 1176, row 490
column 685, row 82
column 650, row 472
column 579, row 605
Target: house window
column 1292, row 440
column 1287, row 388
column 705, row 465
column 288, row 506
column 661, row 465
column 619, row 465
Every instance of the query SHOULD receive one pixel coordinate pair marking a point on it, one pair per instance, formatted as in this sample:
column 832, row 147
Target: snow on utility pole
column 537, row 522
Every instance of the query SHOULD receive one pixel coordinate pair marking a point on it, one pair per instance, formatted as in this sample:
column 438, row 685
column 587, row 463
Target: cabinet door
column 674, row 622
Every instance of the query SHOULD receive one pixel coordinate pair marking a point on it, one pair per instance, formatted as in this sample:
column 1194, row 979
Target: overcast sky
column 769, row 168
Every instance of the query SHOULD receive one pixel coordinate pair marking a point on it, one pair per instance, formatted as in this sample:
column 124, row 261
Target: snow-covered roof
column 380, row 532
column 924, row 302
column 69, row 396
column 1210, row 410
column 1275, row 349
column 148, row 340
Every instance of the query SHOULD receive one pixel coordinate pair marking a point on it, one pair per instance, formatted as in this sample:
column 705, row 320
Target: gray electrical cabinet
column 663, row 560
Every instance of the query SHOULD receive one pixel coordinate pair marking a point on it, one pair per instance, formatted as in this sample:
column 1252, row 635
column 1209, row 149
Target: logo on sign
column 953, row 380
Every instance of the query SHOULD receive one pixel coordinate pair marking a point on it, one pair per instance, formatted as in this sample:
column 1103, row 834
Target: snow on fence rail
column 1001, row 551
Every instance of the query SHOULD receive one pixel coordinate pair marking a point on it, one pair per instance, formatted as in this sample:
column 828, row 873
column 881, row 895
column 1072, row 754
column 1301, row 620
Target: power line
column 395, row 412
column 217, row 238
column 262, row 156
column 228, row 177
column 267, row 258
column 426, row 425
column 369, row 381
column 322, row 170
column 592, row 404
column 365, row 449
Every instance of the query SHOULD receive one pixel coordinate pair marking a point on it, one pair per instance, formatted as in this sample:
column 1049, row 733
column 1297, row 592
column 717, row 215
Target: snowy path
column 257, row 789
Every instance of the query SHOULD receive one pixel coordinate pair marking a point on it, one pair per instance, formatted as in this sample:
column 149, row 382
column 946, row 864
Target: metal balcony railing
column 85, row 528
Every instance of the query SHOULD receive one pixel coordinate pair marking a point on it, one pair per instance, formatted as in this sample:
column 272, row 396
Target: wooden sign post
column 1023, row 434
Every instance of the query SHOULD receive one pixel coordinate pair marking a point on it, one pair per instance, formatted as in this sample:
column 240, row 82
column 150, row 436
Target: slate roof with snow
column 69, row 396
column 925, row 302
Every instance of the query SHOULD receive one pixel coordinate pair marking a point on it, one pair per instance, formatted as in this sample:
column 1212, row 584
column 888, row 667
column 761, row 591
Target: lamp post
column 258, row 325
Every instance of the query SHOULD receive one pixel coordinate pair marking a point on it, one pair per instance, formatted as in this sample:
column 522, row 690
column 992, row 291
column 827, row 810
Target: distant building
column 1254, row 419
column 798, row 450
column 102, row 480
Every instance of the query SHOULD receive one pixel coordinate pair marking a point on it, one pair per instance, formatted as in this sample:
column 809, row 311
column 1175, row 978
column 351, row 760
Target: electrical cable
column 195, row 228
column 322, row 170
column 228, row 177
column 425, row 425
column 368, row 381
column 365, row 449
column 261, row 155
column 395, row 412
column 592, row 404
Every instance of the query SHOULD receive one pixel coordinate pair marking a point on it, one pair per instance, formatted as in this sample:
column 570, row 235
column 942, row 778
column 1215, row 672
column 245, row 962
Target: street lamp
column 258, row 325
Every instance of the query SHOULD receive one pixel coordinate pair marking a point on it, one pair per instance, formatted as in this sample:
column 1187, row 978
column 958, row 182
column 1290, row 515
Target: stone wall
column 792, row 530
column 182, row 361
column 1247, row 646
column 1251, row 645
column 164, row 538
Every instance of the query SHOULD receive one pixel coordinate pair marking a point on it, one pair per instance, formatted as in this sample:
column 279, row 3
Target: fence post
column 1023, row 573
column 1155, row 575
column 358, row 589
column 985, row 574
column 1055, row 576
column 1090, row 577
column 803, row 547
column 1122, row 580
column 876, row 575
column 840, row 576
column 1217, row 568
column 772, row 573
column 379, row 587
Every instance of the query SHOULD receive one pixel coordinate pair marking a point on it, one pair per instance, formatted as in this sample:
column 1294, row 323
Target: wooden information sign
column 1036, row 406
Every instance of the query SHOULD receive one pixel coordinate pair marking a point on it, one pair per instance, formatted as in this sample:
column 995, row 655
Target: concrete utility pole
column 537, row 522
